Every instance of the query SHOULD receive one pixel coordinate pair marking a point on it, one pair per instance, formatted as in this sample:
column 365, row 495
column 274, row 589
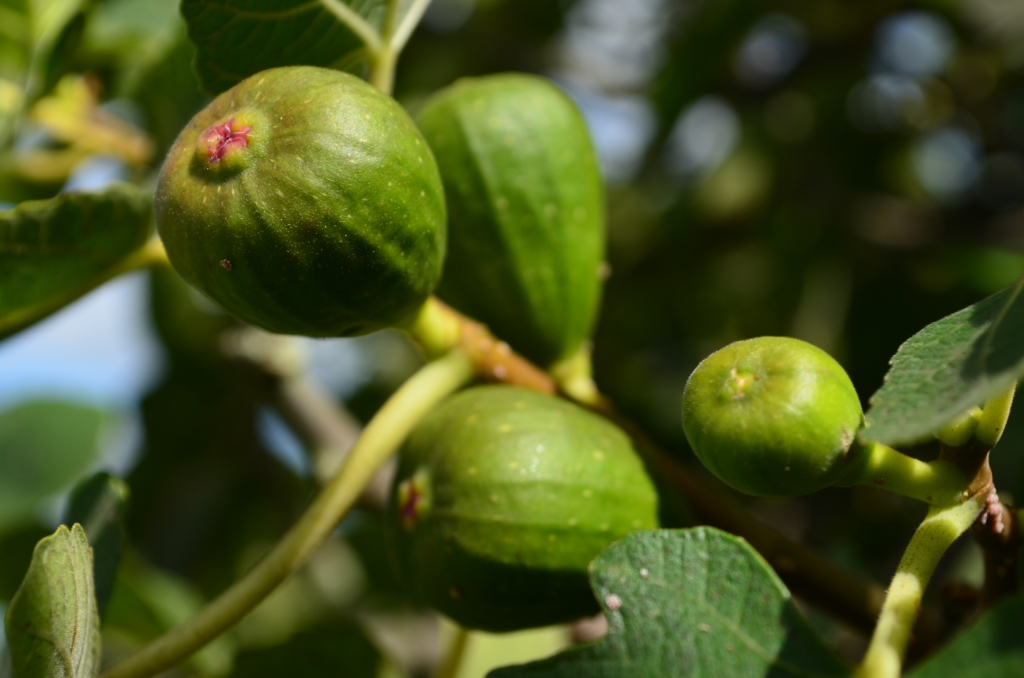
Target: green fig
column 503, row 497
column 526, row 211
column 304, row 201
column 772, row 416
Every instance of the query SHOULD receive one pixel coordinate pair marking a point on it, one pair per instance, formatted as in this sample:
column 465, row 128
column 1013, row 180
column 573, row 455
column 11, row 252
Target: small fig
column 772, row 416
column 503, row 497
column 526, row 211
column 304, row 201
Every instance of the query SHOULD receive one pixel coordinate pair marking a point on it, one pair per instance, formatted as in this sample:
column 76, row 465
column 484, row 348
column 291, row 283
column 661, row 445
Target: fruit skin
column 515, row 493
column 304, row 201
column 526, row 211
column 772, row 416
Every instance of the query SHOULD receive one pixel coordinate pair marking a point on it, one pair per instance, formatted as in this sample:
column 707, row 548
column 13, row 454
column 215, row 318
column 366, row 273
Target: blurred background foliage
column 843, row 171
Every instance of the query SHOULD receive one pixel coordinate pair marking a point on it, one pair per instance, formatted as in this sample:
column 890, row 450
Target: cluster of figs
column 304, row 201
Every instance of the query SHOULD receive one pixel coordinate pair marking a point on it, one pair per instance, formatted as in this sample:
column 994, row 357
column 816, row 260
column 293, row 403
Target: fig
column 772, row 416
column 304, row 201
column 503, row 497
column 525, row 211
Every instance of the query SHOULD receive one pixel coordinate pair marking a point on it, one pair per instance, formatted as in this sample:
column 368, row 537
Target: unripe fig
column 503, row 497
column 304, row 201
column 772, row 416
column 525, row 208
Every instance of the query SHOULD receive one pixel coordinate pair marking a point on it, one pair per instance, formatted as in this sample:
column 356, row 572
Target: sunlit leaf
column 52, row 625
column 695, row 602
column 53, row 251
column 949, row 367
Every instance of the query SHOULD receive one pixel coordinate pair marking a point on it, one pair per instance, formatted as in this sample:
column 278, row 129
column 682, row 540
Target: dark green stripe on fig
column 524, row 490
column 526, row 211
column 328, row 221
column 772, row 416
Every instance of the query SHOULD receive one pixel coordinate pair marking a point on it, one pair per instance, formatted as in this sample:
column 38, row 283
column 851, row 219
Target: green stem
column 575, row 377
column 935, row 482
column 993, row 418
column 379, row 440
column 449, row 668
column 960, row 431
column 382, row 69
column 940, row 528
column 435, row 329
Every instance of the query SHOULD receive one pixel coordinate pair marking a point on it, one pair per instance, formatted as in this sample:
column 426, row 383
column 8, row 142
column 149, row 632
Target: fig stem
column 959, row 431
column 449, row 667
column 438, row 328
column 384, row 54
column 940, row 528
column 936, row 482
column 575, row 377
column 379, row 440
column 993, row 417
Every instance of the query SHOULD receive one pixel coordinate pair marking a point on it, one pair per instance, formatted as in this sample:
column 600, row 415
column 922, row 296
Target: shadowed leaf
column 991, row 648
column 236, row 38
column 98, row 503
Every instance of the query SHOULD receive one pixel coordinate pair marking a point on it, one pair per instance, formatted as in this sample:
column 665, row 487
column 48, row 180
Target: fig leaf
column 54, row 251
column 696, row 602
column 948, row 367
column 237, row 38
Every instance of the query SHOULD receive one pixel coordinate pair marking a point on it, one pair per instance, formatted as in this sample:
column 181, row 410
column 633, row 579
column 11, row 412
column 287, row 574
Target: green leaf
column 53, row 629
column 991, row 648
column 44, row 447
column 948, row 367
column 695, row 602
column 54, row 251
column 236, row 38
column 98, row 503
